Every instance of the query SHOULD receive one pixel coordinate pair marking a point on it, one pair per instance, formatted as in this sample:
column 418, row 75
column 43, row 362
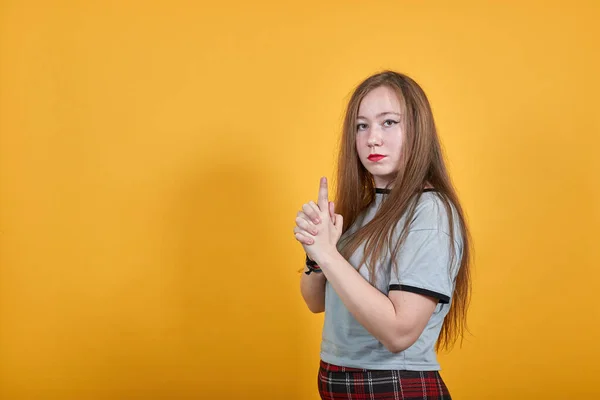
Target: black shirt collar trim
column 387, row 191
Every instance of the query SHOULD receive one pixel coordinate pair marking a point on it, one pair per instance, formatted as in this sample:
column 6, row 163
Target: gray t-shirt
column 423, row 266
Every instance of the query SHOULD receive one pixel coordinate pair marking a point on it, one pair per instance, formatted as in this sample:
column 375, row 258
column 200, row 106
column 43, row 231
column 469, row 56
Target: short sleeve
column 422, row 265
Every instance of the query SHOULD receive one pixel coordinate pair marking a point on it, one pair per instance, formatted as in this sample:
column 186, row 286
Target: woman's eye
column 389, row 122
column 361, row 127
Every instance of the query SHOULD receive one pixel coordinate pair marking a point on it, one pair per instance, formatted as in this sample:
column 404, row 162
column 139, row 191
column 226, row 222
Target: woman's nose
column 374, row 137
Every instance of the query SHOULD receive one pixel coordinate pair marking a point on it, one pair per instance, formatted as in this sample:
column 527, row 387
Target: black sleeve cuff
column 441, row 297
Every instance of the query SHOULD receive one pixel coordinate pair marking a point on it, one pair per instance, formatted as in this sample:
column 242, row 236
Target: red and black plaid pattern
column 338, row 383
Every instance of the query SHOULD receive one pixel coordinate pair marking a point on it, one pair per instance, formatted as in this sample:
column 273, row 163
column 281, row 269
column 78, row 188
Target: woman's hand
column 318, row 227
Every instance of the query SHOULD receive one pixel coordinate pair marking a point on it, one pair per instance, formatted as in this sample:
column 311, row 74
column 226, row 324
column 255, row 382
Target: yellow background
column 153, row 156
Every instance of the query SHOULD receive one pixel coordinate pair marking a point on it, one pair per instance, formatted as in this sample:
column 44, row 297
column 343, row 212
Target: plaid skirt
column 339, row 383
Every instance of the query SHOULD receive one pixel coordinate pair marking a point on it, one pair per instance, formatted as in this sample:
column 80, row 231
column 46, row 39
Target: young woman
column 389, row 262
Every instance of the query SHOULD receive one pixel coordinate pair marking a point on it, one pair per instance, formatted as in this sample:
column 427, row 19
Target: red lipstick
column 376, row 157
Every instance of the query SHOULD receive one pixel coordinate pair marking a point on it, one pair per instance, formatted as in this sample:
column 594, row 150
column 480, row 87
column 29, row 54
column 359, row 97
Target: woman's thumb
column 339, row 221
column 332, row 212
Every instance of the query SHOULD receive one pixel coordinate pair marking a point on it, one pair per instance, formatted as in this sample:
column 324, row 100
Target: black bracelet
column 312, row 266
column 310, row 262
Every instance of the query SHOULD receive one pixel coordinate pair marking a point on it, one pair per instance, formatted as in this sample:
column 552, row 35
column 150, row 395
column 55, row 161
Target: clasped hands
column 318, row 228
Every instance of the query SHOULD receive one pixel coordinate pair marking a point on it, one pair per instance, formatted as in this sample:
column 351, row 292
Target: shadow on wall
column 237, row 323
column 211, row 311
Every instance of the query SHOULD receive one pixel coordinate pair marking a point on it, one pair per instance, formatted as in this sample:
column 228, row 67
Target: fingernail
column 317, row 221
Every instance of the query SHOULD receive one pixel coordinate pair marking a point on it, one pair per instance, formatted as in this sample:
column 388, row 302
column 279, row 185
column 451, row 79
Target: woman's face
column 379, row 136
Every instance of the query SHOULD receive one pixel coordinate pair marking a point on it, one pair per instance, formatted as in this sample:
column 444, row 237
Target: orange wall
column 153, row 157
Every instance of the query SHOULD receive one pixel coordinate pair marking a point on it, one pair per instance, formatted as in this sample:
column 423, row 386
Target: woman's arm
column 312, row 286
column 313, row 291
column 396, row 321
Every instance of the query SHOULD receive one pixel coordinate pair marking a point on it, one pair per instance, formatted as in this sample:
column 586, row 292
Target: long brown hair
column 422, row 164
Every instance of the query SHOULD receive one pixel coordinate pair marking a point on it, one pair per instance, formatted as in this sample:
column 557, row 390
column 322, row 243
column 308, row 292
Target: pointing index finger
column 323, row 195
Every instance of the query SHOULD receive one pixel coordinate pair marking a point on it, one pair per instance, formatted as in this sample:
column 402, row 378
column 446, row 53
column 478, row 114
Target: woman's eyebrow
column 380, row 114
